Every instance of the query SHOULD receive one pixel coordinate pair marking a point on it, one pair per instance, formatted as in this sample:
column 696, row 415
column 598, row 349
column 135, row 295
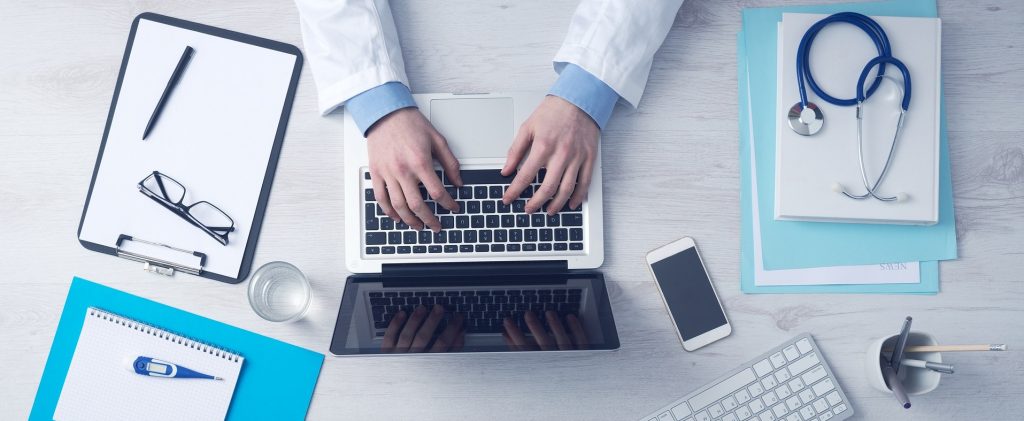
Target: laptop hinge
column 476, row 269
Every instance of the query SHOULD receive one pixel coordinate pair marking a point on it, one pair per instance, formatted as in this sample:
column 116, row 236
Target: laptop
column 491, row 265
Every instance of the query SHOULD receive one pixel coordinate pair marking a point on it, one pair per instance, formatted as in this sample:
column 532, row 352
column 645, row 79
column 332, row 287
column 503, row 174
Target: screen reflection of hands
column 564, row 336
column 416, row 333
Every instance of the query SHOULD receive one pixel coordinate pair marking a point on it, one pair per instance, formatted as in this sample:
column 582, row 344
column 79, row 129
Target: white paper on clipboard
column 215, row 136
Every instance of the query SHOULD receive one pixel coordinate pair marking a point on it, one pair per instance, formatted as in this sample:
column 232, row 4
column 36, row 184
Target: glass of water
column 279, row 292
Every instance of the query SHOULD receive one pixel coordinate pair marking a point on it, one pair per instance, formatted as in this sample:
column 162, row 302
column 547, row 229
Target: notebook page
column 101, row 384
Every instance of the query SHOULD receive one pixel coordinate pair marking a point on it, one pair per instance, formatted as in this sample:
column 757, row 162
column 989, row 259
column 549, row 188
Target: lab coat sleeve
column 615, row 40
column 352, row 46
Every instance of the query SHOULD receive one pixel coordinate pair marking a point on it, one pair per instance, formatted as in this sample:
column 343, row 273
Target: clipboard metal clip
column 161, row 266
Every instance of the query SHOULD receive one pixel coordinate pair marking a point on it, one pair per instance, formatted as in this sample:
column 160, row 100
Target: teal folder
column 277, row 379
column 795, row 244
column 929, row 270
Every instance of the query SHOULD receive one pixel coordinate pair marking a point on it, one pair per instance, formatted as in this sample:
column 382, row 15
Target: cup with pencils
column 910, row 363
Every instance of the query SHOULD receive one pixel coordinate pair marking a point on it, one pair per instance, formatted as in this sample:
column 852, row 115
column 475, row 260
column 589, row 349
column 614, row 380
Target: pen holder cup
column 916, row 381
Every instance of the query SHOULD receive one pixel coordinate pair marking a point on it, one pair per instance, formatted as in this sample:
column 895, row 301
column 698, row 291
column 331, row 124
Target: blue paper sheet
column 929, row 270
column 277, row 379
column 794, row 244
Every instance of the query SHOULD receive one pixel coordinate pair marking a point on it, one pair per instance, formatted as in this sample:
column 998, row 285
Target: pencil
column 952, row 348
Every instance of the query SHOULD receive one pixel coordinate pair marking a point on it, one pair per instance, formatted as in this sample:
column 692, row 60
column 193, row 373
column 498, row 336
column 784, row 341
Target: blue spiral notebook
column 276, row 382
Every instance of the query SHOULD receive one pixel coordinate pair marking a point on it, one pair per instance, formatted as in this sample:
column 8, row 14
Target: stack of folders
column 787, row 256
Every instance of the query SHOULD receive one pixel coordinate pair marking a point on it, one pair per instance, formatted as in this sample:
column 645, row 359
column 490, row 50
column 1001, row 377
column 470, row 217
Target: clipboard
column 219, row 135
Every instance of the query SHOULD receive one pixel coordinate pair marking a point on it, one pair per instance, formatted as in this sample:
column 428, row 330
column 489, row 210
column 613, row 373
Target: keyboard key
column 722, row 389
column 462, row 221
column 368, row 195
column 519, row 206
column 376, row 238
column 515, row 235
column 434, row 249
column 561, row 234
column 500, row 236
column 485, row 177
column 807, row 413
column 484, row 236
column 820, row 405
column 716, row 410
column 572, row 220
column 469, row 236
column 793, row 403
column 756, row 406
column 729, row 403
column 544, row 247
column 508, row 221
column 488, row 206
column 387, row 250
column 530, row 235
column 493, row 221
column 561, row 246
column 522, row 220
column 823, row 387
column 394, row 237
column 503, row 208
column 839, row 409
column 681, row 411
column 466, row 248
column 409, row 237
column 779, row 410
column 553, row 220
column 481, row 248
column 441, row 237
column 426, row 236
column 496, row 192
column 804, row 346
column 791, row 353
column 545, row 234
column 796, row 384
column 806, row 396
column 465, row 192
column 419, row 249
column 513, row 247
column 833, row 398
column 802, row 364
column 455, row 236
column 451, row 248
column 372, row 223
column 529, row 247
column 473, row 206
column 782, row 376
column 479, row 192
column 575, row 246
column 373, row 250
column 497, row 247
column 366, row 175
column 755, row 389
column 742, row 396
column 447, row 222
column 387, row 223
column 777, row 360
column 537, row 220
column 743, row 413
column 477, row 221
column 814, row 374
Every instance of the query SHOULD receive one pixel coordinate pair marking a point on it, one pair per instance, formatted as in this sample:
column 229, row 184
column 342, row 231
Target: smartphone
column 690, row 297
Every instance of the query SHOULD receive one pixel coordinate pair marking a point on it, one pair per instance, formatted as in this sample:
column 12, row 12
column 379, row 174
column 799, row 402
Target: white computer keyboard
column 791, row 382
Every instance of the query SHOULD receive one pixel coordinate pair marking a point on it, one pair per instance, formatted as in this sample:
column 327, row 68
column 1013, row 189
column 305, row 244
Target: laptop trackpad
column 475, row 127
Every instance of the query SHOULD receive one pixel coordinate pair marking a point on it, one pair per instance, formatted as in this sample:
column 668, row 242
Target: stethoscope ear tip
column 838, row 188
column 902, row 197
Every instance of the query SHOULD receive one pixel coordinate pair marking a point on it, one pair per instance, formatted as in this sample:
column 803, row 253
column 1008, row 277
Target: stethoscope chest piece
column 805, row 121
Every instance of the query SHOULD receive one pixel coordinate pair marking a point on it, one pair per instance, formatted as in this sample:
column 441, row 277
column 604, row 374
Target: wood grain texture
column 672, row 162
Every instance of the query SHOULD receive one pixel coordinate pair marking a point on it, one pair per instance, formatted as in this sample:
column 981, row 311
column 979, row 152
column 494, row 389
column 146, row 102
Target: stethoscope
column 805, row 118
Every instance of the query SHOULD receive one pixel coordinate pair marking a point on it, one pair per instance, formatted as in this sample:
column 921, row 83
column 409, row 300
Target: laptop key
column 530, row 235
column 462, row 221
column 575, row 246
column 503, row 208
column 519, row 206
column 473, row 206
column 465, row 192
column 419, row 249
column 481, row 248
column 488, row 206
column 493, row 176
column 522, row 220
column 576, row 234
column 508, row 221
column 426, row 236
column 561, row 246
column 496, row 192
column 515, row 235
column 493, row 221
column 434, row 249
column 447, row 222
column 441, row 237
column 401, row 226
column 529, row 247
column 553, row 220
column 479, row 192
column 368, row 195
column 373, row 250
column 497, row 247
column 477, row 221
column 451, row 248
column 466, row 248
column 469, row 236
column 527, row 192
column 513, row 247
column 387, row 223
column 537, row 220
column 394, row 237
column 485, row 236
column 572, row 220
column 561, row 234
column 544, row 247
column 387, row 250
column 500, row 236
column 366, row 175
column 545, row 234
column 409, row 237
column 372, row 223
column 455, row 236
column 376, row 238
column 404, row 249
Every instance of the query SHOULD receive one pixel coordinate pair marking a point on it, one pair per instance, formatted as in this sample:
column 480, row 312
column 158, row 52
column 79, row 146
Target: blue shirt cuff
column 587, row 92
column 375, row 103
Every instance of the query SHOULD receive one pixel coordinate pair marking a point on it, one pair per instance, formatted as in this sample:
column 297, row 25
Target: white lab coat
column 352, row 45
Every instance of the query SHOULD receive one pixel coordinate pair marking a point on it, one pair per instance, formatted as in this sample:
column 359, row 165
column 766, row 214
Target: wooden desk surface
column 59, row 66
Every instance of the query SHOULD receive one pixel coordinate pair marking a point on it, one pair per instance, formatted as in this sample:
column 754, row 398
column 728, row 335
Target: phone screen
column 688, row 293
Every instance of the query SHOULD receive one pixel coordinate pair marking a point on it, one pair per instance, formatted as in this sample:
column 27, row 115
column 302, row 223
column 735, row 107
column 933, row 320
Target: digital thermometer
column 153, row 367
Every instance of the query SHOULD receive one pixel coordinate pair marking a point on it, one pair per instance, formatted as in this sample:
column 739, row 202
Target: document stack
column 838, row 254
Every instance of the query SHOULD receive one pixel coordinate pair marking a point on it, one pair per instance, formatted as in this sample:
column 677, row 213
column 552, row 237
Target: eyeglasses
column 204, row 215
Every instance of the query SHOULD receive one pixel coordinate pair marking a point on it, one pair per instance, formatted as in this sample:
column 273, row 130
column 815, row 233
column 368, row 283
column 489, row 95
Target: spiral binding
column 163, row 334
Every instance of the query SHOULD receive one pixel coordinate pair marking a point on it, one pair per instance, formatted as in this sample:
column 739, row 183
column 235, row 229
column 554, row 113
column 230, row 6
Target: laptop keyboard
column 484, row 310
column 483, row 225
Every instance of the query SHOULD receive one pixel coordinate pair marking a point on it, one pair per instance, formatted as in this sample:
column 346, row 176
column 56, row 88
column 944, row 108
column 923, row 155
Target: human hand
column 562, row 138
column 574, row 338
column 413, row 333
column 400, row 147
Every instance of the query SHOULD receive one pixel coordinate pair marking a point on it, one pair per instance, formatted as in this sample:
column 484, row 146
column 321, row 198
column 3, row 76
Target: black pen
column 175, row 77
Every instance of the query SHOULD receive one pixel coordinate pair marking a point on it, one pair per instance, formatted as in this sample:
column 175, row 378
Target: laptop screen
column 400, row 315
